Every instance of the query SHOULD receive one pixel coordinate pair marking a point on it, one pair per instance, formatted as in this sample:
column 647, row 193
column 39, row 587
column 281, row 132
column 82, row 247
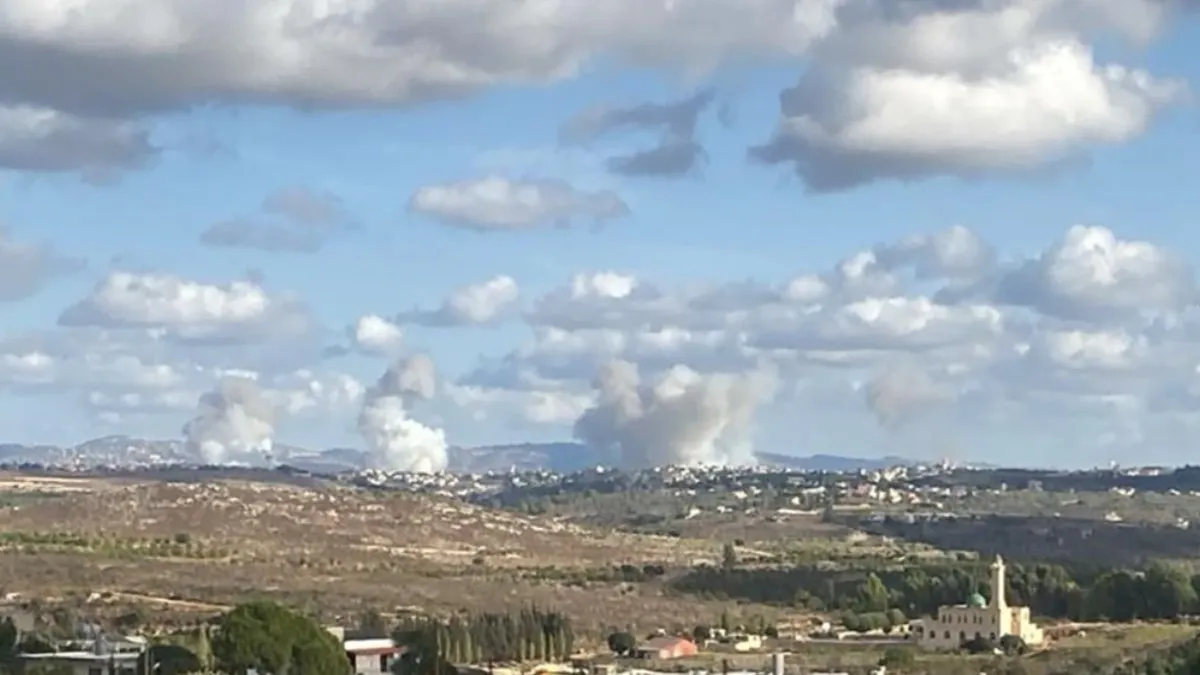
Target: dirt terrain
column 341, row 550
column 248, row 522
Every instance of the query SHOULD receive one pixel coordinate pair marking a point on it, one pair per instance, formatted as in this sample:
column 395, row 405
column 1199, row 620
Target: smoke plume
column 395, row 441
column 899, row 393
column 233, row 423
column 682, row 418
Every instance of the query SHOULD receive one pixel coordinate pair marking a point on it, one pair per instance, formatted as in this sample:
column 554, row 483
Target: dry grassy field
column 170, row 546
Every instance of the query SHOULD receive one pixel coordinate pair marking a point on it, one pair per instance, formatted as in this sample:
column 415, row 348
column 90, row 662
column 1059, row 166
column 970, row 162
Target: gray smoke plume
column 234, row 423
column 396, row 442
column 902, row 391
column 683, row 418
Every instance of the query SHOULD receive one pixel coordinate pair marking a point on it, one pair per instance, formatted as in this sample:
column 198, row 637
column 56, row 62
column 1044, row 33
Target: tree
column 372, row 624
column 35, row 644
column 622, row 643
column 701, row 633
column 898, row 657
column 531, row 634
column 1013, row 645
column 828, row 515
column 873, row 595
column 129, row 620
column 269, row 638
column 169, row 659
column 1168, row 591
column 8, row 642
column 729, row 558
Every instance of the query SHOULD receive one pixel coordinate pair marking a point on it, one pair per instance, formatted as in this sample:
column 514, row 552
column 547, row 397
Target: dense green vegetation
column 179, row 546
column 269, row 638
column 12, row 644
column 1159, row 592
column 531, row 634
column 1179, row 659
column 1075, row 541
column 169, row 659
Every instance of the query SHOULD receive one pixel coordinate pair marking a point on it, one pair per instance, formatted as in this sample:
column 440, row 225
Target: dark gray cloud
column 149, row 56
column 246, row 233
column 677, row 152
column 677, row 119
column 293, row 220
column 307, row 207
column 39, row 140
column 668, row 159
column 26, row 268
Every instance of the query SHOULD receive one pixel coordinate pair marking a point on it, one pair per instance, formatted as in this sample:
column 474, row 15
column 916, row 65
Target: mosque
column 992, row 619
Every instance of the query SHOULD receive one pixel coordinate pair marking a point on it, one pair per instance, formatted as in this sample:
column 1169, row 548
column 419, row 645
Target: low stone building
column 666, row 648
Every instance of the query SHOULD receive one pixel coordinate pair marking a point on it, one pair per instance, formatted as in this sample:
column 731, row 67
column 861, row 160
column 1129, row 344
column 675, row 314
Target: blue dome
column 976, row 600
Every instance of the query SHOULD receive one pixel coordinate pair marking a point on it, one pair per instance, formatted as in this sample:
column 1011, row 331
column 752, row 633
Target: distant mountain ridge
column 832, row 463
column 562, row 457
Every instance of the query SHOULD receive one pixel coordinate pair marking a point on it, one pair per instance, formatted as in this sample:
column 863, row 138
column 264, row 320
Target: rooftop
column 372, row 646
column 82, row 656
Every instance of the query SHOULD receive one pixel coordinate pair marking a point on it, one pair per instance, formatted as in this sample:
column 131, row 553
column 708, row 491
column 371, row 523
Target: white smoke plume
column 395, row 441
column 901, row 392
column 682, row 418
column 234, row 423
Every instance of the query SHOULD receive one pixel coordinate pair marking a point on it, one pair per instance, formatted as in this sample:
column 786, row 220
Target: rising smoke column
column 682, row 418
column 233, row 423
column 902, row 391
column 396, row 442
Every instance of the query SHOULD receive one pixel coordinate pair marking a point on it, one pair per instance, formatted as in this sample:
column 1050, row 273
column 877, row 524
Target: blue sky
column 1091, row 148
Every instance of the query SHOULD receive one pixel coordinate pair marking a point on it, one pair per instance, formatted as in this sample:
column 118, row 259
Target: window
column 947, row 635
column 383, row 663
column 962, row 636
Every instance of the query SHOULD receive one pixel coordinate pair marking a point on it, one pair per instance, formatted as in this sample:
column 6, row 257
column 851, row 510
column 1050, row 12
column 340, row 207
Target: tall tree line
column 531, row 634
column 1158, row 592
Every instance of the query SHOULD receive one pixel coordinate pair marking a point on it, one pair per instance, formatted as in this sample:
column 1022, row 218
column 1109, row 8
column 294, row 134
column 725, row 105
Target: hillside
column 346, row 549
column 255, row 521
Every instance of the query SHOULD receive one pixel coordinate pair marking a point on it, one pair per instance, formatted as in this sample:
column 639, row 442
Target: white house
column 373, row 656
